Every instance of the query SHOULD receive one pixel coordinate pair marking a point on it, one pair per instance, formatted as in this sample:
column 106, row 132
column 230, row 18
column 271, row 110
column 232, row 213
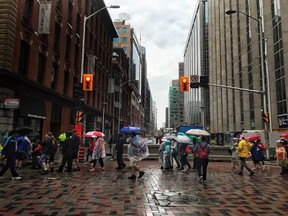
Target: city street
column 109, row 192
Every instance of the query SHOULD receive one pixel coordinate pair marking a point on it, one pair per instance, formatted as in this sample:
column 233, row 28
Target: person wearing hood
column 243, row 153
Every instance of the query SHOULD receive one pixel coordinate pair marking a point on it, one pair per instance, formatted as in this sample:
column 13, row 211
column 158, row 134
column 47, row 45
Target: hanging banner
column 44, row 18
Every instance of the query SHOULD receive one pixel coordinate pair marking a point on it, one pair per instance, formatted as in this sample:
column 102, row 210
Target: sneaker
column 132, row 177
column 252, row 173
column 16, row 178
column 205, row 181
column 123, row 166
column 92, row 170
column 141, row 174
column 200, row 179
column 102, row 169
column 263, row 168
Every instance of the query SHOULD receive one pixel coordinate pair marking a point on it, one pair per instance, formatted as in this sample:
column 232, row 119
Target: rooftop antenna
column 124, row 17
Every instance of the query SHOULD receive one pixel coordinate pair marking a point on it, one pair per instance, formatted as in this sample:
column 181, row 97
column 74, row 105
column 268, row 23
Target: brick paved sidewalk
column 109, row 192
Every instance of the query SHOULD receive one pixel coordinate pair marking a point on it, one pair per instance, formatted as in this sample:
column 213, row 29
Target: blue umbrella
column 130, row 129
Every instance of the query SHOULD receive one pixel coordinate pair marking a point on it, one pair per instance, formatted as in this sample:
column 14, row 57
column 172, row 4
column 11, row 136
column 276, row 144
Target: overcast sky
column 163, row 26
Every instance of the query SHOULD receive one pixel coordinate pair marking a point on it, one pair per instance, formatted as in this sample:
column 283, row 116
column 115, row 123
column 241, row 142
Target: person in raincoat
column 137, row 151
column 243, row 153
column 98, row 154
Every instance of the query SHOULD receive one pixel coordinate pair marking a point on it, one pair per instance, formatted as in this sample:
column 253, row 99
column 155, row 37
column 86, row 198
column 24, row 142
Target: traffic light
column 87, row 82
column 204, row 81
column 79, row 117
column 184, row 84
column 265, row 117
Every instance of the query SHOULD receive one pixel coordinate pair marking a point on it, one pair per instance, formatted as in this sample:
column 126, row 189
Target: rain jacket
column 243, row 148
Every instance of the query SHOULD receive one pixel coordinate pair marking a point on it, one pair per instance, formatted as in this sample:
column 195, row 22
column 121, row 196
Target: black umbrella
column 24, row 130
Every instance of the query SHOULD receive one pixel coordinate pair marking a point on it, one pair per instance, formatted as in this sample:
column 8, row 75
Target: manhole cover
column 170, row 199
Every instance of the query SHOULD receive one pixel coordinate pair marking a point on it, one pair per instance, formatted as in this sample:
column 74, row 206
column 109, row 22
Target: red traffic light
column 88, row 82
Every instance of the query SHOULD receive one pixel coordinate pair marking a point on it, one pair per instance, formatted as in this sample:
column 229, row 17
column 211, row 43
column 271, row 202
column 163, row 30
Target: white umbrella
column 197, row 132
column 170, row 137
column 182, row 139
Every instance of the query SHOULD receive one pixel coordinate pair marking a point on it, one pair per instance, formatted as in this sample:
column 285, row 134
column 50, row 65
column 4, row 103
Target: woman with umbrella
column 257, row 154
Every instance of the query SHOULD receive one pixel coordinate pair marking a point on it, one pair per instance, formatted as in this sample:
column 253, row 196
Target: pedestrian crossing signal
column 184, row 84
column 88, row 82
column 266, row 117
column 79, row 117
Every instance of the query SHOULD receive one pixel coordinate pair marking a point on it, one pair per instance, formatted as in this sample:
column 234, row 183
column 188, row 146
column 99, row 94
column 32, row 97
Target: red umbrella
column 253, row 138
column 94, row 133
column 285, row 136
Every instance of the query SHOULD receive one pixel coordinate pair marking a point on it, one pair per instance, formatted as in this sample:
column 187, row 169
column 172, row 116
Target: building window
column 76, row 57
column 68, row 48
column 117, row 96
column 115, row 40
column 57, row 36
column 66, row 82
column 41, row 68
column 70, row 13
column 78, row 24
column 124, row 49
column 59, row 5
column 125, row 30
column 117, row 30
column 54, row 75
column 28, row 8
column 24, row 58
column 124, row 39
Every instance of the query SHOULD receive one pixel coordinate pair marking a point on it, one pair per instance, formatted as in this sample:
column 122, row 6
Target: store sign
column 11, row 103
column 283, row 121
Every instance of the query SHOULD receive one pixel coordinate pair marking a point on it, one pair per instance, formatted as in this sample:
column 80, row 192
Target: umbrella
column 197, row 132
column 182, row 139
column 94, row 133
column 253, row 138
column 197, row 138
column 170, row 137
column 130, row 129
column 24, row 130
column 285, row 136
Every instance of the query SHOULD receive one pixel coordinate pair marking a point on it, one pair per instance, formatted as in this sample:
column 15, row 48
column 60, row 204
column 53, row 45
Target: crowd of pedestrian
column 170, row 150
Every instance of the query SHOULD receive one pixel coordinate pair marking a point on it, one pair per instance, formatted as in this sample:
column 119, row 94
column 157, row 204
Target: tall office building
column 174, row 101
column 196, row 56
column 235, row 51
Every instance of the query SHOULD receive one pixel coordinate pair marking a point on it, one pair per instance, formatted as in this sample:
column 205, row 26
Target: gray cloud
column 163, row 26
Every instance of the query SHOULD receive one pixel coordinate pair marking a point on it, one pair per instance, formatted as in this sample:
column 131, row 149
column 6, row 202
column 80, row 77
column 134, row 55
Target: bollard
column 81, row 153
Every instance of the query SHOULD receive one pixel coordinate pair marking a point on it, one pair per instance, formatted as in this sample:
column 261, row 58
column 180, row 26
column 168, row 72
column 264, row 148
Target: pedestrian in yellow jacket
column 243, row 153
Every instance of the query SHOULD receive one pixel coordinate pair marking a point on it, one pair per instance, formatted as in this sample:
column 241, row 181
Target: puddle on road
column 174, row 199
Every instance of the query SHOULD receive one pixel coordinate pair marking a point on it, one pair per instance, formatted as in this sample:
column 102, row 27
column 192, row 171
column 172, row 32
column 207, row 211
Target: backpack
column 203, row 153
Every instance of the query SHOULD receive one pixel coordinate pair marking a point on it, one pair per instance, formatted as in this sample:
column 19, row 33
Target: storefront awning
column 31, row 107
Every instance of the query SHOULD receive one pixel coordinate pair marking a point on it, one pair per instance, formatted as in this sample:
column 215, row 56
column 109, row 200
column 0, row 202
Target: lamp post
column 103, row 116
column 264, row 89
column 84, row 36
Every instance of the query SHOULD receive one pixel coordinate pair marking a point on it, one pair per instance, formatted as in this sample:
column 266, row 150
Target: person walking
column 67, row 152
column 76, row 147
column 203, row 149
column 257, row 155
column 98, row 154
column 243, row 153
column 175, row 153
column 281, row 156
column 47, row 149
column 136, row 152
column 120, row 149
column 9, row 151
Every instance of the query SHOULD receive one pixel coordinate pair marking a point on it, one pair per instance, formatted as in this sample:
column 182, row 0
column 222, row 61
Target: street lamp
column 84, row 35
column 264, row 89
column 103, row 116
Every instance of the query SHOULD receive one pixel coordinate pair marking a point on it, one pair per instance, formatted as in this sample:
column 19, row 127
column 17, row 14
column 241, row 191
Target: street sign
column 194, row 78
